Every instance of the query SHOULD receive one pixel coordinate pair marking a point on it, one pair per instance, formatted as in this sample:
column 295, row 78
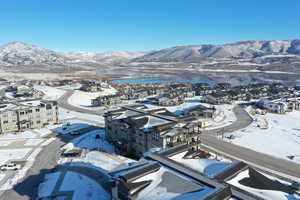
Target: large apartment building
column 135, row 129
column 19, row 116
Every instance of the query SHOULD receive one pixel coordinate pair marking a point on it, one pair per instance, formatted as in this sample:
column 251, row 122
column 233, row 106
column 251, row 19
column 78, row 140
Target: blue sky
column 142, row 25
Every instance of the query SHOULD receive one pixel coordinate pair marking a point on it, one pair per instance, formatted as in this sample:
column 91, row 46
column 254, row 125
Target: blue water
column 158, row 80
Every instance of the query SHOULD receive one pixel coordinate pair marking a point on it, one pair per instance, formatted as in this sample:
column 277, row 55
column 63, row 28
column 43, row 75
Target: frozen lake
column 159, row 80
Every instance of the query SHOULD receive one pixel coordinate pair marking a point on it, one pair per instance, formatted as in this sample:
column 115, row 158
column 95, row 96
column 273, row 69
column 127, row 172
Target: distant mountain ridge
column 244, row 49
column 21, row 54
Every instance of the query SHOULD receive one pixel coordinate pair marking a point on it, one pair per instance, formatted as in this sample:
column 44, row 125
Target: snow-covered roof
column 155, row 121
column 127, row 113
column 168, row 184
column 17, row 105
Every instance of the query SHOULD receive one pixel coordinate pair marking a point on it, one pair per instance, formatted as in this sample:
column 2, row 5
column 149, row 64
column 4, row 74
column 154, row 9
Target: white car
column 10, row 166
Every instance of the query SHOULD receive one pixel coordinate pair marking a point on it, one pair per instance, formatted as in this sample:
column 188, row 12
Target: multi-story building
column 135, row 129
column 110, row 100
column 91, row 85
column 19, row 116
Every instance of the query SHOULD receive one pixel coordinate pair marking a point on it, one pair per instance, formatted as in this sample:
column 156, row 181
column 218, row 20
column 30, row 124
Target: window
column 37, row 110
column 22, row 113
column 48, row 107
column 5, row 122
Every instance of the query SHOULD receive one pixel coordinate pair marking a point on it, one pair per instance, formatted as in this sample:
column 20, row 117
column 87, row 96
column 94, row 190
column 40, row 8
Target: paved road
column 63, row 102
column 277, row 165
column 45, row 161
column 254, row 158
column 243, row 120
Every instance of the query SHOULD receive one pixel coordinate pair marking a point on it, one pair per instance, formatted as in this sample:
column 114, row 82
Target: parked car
column 296, row 186
column 10, row 166
column 70, row 154
column 75, row 133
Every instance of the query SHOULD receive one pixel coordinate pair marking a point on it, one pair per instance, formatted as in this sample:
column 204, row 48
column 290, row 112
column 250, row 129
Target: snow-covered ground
column 209, row 167
column 84, row 99
column 22, row 147
column 85, row 188
column 280, row 139
column 51, row 93
column 105, row 156
column 225, row 116
column 67, row 129
column 74, row 86
column 265, row 194
column 89, row 141
column 33, row 142
column 15, row 154
column 101, row 160
column 66, row 115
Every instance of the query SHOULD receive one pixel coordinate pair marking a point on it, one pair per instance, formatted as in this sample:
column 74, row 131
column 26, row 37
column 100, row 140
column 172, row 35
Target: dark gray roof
column 231, row 171
column 139, row 172
column 176, row 184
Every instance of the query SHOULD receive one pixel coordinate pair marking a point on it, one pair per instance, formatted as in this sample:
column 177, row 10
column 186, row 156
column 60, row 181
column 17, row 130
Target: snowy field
column 104, row 158
column 104, row 162
column 23, row 146
column 280, row 139
column 15, row 154
column 89, row 141
column 84, row 99
column 67, row 129
column 33, row 142
column 65, row 115
column 51, row 93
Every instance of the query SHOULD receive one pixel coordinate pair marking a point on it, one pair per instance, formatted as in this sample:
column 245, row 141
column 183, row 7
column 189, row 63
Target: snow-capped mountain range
column 244, row 49
column 18, row 53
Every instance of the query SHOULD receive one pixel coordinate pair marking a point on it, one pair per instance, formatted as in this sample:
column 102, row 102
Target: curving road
column 63, row 102
column 243, row 120
column 46, row 160
column 265, row 162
